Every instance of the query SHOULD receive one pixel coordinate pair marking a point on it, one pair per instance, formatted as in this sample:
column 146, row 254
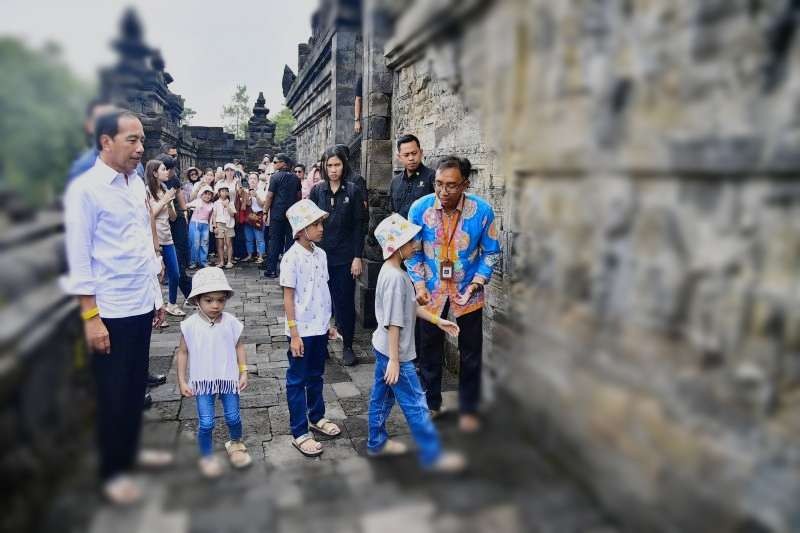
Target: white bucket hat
column 209, row 279
column 221, row 185
column 303, row 214
column 393, row 232
column 229, row 166
column 205, row 188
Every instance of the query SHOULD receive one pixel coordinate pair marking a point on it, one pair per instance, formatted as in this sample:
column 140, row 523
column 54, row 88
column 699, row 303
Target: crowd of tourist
column 132, row 224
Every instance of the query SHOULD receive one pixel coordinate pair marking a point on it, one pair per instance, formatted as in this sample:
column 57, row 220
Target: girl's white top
column 223, row 215
column 213, row 367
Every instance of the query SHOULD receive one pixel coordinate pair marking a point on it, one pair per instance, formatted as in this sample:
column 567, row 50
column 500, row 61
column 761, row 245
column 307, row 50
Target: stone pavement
column 510, row 487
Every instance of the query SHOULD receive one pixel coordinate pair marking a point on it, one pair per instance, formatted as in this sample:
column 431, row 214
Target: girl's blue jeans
column 255, row 240
column 198, row 239
column 408, row 393
column 205, row 415
column 173, row 273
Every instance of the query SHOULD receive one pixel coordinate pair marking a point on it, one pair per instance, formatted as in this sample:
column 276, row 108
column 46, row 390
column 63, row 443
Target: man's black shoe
column 154, row 380
column 348, row 357
column 270, row 275
column 148, row 402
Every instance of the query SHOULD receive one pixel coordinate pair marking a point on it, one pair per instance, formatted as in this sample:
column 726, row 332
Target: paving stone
column 345, row 389
column 162, row 411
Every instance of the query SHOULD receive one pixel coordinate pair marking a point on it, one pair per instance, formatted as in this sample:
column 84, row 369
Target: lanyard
column 451, row 233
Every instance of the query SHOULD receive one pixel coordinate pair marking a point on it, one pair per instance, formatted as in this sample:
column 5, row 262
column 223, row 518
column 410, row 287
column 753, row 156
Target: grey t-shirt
column 395, row 305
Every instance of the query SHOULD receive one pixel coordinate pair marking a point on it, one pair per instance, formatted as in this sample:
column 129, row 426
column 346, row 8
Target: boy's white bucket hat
column 303, row 214
column 393, row 232
column 209, row 279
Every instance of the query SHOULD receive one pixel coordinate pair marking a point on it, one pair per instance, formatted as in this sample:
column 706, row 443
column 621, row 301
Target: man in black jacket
column 284, row 190
column 414, row 181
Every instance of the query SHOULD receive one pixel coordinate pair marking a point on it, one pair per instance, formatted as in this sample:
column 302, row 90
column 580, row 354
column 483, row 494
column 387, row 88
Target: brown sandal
column 237, row 453
column 308, row 451
column 325, row 427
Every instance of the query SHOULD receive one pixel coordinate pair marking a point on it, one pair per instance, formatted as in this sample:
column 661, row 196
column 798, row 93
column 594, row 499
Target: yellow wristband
column 435, row 320
column 242, row 369
column 90, row 313
column 291, row 323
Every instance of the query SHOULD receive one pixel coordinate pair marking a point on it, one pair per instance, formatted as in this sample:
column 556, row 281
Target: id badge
column 446, row 270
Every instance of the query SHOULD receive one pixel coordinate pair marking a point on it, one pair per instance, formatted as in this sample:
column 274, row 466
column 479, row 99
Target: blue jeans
column 409, row 395
column 205, row 415
column 173, row 272
column 304, row 384
column 255, row 240
column 198, row 238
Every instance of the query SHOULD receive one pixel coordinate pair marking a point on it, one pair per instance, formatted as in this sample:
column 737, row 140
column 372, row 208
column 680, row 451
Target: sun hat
column 393, row 232
column 204, row 189
column 221, row 185
column 229, row 166
column 195, row 169
column 208, row 279
column 303, row 214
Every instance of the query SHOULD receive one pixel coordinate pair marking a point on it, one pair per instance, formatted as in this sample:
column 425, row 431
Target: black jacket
column 343, row 239
column 404, row 191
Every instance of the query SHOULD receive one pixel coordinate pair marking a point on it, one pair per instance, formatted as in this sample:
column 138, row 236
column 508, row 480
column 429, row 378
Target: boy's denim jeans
column 205, row 415
column 409, row 395
column 198, row 239
column 304, row 384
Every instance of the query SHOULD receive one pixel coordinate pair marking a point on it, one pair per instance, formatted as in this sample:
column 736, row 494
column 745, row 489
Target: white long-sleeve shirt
column 110, row 243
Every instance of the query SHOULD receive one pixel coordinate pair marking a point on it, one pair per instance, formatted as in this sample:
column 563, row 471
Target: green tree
column 237, row 112
column 187, row 115
column 42, row 107
column 284, row 124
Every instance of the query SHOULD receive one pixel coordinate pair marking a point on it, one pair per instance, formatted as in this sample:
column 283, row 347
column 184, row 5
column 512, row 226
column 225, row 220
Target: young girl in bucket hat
column 307, row 301
column 210, row 342
column 396, row 380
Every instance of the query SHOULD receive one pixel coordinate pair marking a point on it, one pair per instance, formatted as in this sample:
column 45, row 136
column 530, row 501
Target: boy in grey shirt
column 395, row 377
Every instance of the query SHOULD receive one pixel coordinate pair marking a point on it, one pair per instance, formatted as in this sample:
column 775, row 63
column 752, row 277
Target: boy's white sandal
column 392, row 447
column 307, row 445
column 122, row 490
column 237, row 453
column 449, row 463
column 211, row 467
column 325, row 427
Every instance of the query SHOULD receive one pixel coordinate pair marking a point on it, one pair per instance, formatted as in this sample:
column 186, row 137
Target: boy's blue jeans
column 205, row 415
column 409, row 395
column 304, row 384
column 198, row 239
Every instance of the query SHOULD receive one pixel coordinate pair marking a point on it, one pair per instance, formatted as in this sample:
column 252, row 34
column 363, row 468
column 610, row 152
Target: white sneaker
column 174, row 310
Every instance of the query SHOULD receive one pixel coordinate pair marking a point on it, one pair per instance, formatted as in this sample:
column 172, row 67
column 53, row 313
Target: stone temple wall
column 643, row 157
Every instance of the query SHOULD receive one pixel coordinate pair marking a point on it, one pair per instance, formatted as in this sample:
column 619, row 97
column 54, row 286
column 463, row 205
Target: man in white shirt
column 113, row 270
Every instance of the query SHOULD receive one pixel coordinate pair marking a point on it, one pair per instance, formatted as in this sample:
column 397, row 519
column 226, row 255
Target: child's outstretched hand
column 242, row 381
column 186, row 390
column 451, row 328
column 296, row 346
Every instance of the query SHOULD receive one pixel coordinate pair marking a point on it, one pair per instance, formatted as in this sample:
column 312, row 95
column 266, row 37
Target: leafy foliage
column 42, row 106
column 237, row 113
column 187, row 115
column 284, row 123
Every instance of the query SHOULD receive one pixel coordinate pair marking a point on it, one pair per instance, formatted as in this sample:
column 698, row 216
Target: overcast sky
column 208, row 47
